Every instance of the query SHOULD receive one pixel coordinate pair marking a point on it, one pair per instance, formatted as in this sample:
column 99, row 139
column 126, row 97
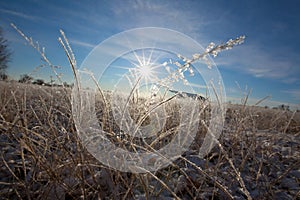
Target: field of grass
column 42, row 156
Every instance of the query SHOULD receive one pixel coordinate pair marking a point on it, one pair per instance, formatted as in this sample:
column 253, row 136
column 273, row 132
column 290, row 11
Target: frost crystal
column 196, row 56
column 180, row 56
column 177, row 64
column 191, row 71
column 168, row 69
column 212, row 49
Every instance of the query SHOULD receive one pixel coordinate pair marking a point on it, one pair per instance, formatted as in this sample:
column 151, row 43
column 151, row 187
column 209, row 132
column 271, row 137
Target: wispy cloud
column 200, row 86
column 19, row 14
column 168, row 14
column 233, row 91
column 295, row 93
column 252, row 59
column 83, row 44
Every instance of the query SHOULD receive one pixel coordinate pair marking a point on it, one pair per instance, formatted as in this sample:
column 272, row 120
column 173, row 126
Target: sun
column 145, row 67
column 146, row 71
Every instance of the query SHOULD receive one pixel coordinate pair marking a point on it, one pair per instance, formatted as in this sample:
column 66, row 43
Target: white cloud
column 83, row 44
column 19, row 14
column 260, row 63
column 295, row 93
column 198, row 86
column 290, row 80
column 98, row 20
column 168, row 14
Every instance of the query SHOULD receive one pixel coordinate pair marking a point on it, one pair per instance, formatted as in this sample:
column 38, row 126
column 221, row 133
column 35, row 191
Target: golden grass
column 43, row 158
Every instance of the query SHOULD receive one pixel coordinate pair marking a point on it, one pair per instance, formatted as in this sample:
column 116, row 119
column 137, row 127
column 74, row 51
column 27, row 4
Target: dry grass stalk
column 42, row 156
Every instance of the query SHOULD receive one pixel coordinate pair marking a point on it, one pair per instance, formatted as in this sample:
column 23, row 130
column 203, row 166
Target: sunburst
column 146, row 67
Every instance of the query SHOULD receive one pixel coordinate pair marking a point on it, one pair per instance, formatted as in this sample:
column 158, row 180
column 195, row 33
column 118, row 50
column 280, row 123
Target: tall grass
column 42, row 156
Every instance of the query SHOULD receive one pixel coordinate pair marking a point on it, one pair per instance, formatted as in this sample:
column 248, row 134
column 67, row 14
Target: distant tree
column 3, row 76
column 5, row 54
column 284, row 107
column 65, row 84
column 39, row 82
column 25, row 78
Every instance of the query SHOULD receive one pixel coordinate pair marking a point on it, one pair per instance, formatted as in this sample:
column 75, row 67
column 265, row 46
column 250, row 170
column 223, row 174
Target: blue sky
column 268, row 62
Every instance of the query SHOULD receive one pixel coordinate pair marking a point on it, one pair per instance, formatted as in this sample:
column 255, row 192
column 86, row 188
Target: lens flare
column 145, row 71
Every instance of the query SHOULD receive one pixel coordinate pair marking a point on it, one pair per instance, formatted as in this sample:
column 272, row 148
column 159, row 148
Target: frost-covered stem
column 211, row 49
column 237, row 173
column 128, row 99
column 70, row 51
column 71, row 59
column 36, row 46
column 219, row 185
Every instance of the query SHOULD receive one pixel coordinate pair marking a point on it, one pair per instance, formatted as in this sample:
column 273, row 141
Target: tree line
column 25, row 78
column 5, row 58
